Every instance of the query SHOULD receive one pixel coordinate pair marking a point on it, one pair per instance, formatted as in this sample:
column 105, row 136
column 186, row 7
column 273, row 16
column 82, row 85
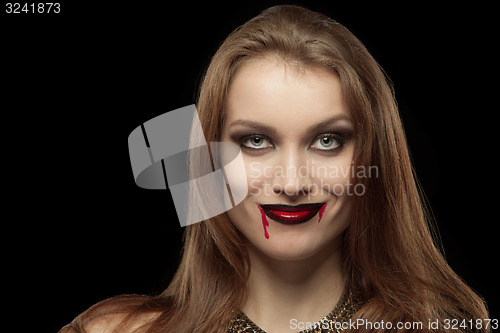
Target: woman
column 333, row 234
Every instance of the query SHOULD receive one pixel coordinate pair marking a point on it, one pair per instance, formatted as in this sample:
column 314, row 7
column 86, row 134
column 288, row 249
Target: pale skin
column 296, row 273
column 291, row 118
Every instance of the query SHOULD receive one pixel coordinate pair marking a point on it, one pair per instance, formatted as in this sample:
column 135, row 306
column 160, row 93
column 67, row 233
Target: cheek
column 245, row 217
column 236, row 172
column 258, row 175
column 332, row 177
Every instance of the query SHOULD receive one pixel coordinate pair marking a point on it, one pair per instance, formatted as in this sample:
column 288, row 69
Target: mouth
column 287, row 214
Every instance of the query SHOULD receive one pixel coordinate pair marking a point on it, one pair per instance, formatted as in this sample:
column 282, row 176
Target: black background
column 75, row 84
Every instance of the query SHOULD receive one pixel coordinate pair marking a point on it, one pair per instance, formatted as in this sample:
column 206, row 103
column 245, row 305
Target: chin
column 290, row 252
column 292, row 245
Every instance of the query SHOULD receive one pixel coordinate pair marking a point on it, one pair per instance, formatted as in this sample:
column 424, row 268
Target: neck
column 303, row 290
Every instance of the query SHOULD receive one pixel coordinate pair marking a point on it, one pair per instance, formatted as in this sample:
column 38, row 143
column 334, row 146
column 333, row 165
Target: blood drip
column 265, row 222
column 321, row 211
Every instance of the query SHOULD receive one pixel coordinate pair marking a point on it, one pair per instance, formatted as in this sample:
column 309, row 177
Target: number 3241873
column 33, row 8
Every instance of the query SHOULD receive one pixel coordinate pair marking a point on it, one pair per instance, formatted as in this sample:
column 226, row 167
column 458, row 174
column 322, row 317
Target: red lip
column 287, row 214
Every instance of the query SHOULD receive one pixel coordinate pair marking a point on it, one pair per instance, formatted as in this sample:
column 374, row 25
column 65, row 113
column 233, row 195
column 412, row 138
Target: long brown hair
column 392, row 264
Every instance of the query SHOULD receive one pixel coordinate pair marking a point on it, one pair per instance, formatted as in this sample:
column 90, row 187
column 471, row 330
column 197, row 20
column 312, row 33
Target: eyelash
column 341, row 141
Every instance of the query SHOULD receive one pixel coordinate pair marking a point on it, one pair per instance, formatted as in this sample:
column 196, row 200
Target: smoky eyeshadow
column 341, row 133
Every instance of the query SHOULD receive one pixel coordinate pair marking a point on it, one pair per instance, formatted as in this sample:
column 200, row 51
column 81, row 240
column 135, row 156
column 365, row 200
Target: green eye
column 256, row 142
column 328, row 142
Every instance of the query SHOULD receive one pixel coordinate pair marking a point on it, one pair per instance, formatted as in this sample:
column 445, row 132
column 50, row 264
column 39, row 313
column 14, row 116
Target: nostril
column 277, row 189
column 304, row 190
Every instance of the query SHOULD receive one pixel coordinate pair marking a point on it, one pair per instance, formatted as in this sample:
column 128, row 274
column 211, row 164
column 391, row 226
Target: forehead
column 276, row 92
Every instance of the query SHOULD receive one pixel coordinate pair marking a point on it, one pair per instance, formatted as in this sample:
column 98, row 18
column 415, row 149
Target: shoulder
column 122, row 314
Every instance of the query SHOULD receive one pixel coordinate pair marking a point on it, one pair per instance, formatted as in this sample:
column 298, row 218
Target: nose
column 293, row 178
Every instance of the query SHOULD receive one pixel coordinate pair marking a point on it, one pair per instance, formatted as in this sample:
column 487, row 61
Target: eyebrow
column 318, row 127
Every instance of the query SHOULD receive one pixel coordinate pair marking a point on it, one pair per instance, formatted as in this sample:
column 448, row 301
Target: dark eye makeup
column 255, row 142
column 325, row 142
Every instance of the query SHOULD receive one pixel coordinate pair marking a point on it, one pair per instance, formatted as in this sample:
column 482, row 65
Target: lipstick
column 287, row 214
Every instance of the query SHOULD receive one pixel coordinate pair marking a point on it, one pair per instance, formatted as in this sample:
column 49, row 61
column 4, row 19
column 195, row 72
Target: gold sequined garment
column 331, row 323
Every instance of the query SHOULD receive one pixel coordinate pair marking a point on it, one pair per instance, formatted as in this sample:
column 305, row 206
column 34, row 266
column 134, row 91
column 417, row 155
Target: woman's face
column 297, row 142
